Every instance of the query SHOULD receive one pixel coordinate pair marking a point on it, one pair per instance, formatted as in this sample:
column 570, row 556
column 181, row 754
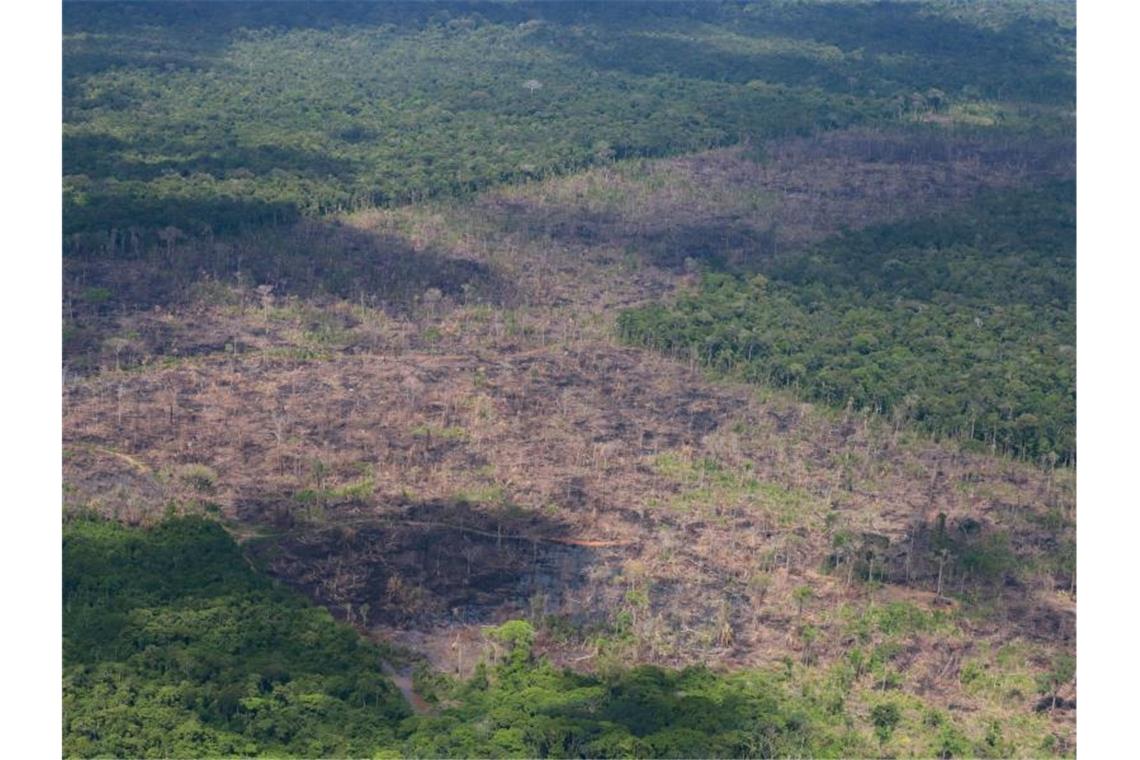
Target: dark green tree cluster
column 220, row 116
column 175, row 647
column 964, row 324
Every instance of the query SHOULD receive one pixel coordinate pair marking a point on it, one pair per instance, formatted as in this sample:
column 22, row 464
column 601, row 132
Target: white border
column 1108, row 246
column 31, row 701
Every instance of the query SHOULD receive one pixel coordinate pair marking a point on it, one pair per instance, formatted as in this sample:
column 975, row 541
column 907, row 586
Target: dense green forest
column 209, row 117
column 965, row 324
column 175, row 647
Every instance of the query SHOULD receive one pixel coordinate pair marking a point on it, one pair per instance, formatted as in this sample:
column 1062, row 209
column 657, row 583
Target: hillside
column 738, row 422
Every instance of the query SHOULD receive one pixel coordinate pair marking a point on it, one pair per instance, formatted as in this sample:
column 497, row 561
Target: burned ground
column 451, row 489
column 430, row 564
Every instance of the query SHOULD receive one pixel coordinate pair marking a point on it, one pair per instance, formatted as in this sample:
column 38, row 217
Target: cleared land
column 429, row 454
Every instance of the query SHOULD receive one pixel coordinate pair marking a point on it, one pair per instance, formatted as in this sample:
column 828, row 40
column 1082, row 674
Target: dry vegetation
column 441, row 458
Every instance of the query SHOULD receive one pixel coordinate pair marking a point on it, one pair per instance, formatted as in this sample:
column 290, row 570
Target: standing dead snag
column 943, row 555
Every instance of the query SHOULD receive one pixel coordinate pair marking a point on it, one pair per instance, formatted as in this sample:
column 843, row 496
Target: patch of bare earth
column 463, row 488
